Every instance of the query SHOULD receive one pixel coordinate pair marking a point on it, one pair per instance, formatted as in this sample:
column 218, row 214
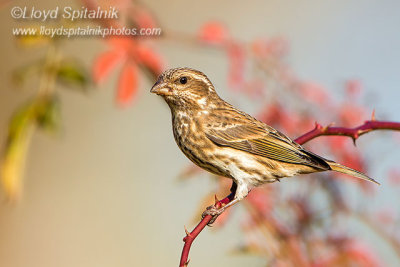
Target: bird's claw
column 212, row 211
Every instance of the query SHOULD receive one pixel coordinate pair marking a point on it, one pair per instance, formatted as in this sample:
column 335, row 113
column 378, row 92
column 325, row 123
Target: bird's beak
column 161, row 88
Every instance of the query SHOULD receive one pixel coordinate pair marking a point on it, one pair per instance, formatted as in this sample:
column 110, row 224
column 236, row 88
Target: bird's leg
column 235, row 196
column 233, row 189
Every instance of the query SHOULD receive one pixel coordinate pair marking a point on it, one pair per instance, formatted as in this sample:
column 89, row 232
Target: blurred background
column 104, row 183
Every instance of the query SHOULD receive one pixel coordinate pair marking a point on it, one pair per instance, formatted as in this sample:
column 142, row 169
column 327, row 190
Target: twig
column 190, row 237
column 319, row 130
column 354, row 133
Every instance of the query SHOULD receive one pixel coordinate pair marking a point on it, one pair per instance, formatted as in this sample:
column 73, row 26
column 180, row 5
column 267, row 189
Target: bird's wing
column 265, row 142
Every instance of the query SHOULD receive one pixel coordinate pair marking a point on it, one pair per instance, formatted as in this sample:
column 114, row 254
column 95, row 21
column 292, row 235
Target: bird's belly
column 248, row 168
column 203, row 159
column 238, row 165
column 198, row 151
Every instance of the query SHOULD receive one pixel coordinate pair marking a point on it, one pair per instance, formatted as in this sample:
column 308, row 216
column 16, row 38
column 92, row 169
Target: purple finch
column 228, row 142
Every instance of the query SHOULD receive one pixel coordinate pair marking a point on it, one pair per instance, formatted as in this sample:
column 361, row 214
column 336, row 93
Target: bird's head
column 183, row 87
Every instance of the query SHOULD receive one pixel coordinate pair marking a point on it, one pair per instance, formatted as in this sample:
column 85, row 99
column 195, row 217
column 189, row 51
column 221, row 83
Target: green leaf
column 19, row 133
column 73, row 74
column 21, row 74
column 48, row 115
column 42, row 112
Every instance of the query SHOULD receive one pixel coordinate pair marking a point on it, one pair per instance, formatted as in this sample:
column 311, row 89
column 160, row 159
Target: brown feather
column 226, row 141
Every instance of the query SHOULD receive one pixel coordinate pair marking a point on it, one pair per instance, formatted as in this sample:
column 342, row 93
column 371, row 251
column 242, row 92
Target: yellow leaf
column 12, row 167
column 42, row 112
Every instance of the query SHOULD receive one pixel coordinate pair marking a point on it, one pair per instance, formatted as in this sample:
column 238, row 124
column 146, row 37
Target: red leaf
column 261, row 200
column 314, row 93
column 213, row 33
column 394, row 177
column 353, row 88
column 337, row 143
column 127, row 84
column 275, row 115
column 275, row 47
column 361, row 254
column 104, row 64
column 236, row 58
column 352, row 252
column 253, row 88
column 122, row 43
column 150, row 59
column 223, row 218
column 350, row 114
column 386, row 216
column 353, row 160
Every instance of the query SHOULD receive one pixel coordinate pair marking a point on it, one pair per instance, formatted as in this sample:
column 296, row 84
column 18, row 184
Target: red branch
column 354, row 133
column 190, row 237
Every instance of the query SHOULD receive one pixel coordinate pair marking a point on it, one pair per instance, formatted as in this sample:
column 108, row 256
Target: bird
column 228, row 142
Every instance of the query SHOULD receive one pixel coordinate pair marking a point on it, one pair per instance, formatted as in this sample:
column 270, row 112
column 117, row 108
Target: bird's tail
column 343, row 169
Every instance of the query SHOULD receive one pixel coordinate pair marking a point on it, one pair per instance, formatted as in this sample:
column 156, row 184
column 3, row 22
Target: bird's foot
column 214, row 212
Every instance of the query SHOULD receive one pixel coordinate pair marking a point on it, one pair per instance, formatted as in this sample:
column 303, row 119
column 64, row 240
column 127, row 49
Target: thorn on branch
column 216, row 199
column 187, row 232
column 326, row 128
column 188, row 235
column 354, row 140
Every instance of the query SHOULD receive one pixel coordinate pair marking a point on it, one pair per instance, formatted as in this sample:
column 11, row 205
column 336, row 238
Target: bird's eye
column 183, row 80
